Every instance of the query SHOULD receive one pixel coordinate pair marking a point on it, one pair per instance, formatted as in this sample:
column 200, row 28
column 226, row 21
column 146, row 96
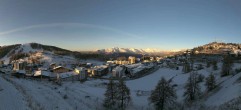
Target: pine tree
column 200, row 78
column 164, row 95
column 215, row 67
column 208, row 64
column 227, row 66
column 210, row 82
column 192, row 87
column 110, row 95
column 123, row 95
column 186, row 67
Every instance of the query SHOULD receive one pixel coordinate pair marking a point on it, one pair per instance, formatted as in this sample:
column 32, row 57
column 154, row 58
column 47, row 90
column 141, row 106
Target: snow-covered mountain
column 132, row 50
column 43, row 53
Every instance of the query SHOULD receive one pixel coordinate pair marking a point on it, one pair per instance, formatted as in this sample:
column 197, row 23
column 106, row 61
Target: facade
column 121, row 62
column 132, row 60
column 19, row 65
column 98, row 70
column 118, row 72
column 82, row 72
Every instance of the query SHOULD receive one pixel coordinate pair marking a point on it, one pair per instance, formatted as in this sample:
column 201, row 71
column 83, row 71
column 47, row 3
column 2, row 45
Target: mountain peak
column 131, row 50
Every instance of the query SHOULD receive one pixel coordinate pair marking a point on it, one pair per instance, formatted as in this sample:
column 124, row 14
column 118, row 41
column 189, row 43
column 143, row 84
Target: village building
column 98, row 70
column 60, row 69
column 121, row 62
column 82, row 72
column 43, row 74
column 118, row 72
column 132, row 60
column 19, row 66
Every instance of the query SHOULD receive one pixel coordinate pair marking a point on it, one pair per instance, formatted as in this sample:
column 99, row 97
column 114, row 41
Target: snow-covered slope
column 23, row 48
column 11, row 98
column 47, row 57
column 90, row 94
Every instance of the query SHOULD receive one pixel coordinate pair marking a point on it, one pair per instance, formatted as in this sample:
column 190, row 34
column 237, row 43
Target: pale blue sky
column 94, row 24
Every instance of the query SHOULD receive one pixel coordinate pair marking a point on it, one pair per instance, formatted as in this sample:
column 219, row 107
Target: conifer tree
column 110, row 95
column 192, row 87
column 164, row 95
column 210, row 82
column 227, row 66
column 123, row 95
column 186, row 67
column 208, row 64
column 215, row 67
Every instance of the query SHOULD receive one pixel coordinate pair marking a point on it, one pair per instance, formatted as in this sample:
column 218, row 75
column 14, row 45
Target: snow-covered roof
column 43, row 73
column 21, row 71
column 67, row 74
column 118, row 68
column 135, row 70
column 80, row 68
column 134, row 65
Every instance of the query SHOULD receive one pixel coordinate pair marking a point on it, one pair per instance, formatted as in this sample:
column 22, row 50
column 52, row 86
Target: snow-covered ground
column 11, row 98
column 25, row 94
column 36, row 94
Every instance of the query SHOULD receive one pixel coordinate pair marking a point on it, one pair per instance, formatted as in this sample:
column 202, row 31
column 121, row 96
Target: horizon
column 122, row 47
column 92, row 25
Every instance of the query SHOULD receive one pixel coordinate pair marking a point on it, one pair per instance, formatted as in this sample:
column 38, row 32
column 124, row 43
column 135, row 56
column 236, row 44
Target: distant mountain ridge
column 132, row 50
column 20, row 50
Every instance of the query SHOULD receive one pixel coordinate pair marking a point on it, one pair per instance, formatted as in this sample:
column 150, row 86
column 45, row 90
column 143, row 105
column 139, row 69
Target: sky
column 98, row 24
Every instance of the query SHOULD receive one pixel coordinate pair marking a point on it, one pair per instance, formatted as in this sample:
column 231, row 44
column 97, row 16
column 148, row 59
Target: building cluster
column 131, row 67
column 34, row 67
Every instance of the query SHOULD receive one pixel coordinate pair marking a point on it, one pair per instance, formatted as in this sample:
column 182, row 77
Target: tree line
column 163, row 97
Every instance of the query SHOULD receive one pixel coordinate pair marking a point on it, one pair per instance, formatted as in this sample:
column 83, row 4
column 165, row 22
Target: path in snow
column 11, row 98
column 31, row 104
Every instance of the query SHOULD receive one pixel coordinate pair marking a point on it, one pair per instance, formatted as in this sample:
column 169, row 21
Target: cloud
column 82, row 25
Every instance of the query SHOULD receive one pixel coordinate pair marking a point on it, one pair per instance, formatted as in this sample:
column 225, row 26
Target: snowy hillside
column 23, row 48
column 90, row 94
column 45, row 56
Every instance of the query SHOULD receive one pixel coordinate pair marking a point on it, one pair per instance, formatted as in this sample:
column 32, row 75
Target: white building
column 119, row 71
column 82, row 72
column 132, row 60
column 19, row 65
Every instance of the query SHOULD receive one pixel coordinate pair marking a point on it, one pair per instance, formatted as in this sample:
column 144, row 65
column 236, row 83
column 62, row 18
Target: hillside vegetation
column 4, row 50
